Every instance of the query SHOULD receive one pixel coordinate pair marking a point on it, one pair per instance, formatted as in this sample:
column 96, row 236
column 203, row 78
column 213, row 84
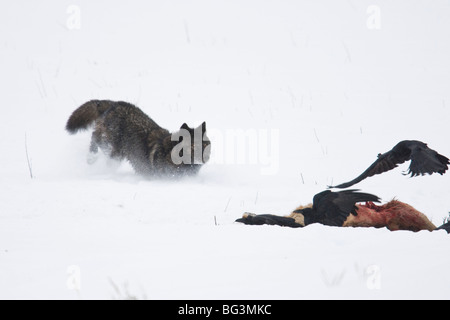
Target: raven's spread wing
column 385, row 162
column 333, row 208
column 423, row 161
column 426, row 161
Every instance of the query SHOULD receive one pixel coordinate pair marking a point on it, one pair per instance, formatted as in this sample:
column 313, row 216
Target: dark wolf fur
column 123, row 131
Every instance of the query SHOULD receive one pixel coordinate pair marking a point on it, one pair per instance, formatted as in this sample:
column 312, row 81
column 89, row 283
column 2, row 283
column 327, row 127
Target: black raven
column 329, row 208
column 423, row 161
column 270, row 219
column 445, row 226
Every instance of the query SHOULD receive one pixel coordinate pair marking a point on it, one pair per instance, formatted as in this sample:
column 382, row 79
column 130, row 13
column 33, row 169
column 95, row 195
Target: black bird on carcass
column 328, row 208
column 344, row 209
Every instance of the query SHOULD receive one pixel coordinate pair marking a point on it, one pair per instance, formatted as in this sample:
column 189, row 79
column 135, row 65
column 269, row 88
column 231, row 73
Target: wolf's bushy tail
column 86, row 114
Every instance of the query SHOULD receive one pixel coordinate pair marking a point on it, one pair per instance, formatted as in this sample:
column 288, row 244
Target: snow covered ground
column 318, row 87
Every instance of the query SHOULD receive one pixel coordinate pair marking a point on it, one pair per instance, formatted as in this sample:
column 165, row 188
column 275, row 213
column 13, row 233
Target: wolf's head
column 191, row 146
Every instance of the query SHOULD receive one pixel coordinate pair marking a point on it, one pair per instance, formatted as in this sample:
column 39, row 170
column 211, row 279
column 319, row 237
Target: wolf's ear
column 184, row 126
column 204, row 126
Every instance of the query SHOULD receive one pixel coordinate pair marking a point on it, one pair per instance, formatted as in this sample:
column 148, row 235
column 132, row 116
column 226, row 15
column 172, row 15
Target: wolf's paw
column 92, row 157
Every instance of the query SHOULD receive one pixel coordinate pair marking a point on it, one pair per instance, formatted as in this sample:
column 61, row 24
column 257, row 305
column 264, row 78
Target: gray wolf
column 123, row 131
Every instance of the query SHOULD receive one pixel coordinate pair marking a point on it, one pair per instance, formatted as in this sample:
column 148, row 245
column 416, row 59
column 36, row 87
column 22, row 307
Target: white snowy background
column 325, row 85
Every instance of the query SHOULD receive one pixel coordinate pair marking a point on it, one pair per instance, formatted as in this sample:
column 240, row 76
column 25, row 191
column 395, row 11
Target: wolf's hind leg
column 93, row 148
